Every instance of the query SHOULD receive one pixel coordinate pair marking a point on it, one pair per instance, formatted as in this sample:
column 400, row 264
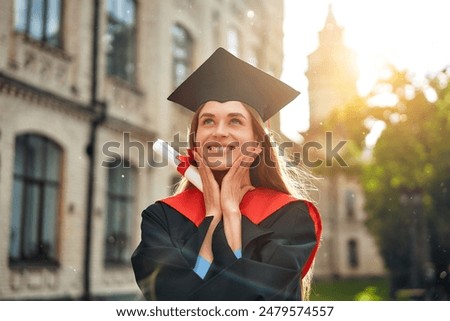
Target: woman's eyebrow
column 230, row 115
column 207, row 115
column 236, row 115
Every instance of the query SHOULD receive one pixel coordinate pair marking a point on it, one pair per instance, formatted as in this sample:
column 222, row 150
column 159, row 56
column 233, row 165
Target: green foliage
column 412, row 154
column 350, row 290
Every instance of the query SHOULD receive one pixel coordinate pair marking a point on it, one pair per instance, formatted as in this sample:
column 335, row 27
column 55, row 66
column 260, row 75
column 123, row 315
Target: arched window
column 120, row 212
column 181, row 54
column 121, row 47
column 36, row 200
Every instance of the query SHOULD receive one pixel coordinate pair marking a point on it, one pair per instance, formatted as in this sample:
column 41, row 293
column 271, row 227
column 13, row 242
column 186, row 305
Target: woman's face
column 224, row 133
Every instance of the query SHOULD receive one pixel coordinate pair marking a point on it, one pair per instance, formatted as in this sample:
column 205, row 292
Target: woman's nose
column 221, row 130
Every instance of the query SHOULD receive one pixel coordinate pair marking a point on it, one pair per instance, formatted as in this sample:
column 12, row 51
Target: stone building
column 348, row 250
column 83, row 87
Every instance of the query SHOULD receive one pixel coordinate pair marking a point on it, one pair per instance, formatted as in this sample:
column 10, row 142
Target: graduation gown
column 280, row 237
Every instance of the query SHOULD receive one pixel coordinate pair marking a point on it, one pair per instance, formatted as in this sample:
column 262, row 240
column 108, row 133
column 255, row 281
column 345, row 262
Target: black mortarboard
column 223, row 77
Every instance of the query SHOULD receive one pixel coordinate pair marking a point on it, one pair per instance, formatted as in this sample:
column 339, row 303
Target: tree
column 407, row 178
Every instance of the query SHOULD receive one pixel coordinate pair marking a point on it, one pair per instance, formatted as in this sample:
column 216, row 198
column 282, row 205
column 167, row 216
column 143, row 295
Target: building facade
column 83, row 87
column 347, row 250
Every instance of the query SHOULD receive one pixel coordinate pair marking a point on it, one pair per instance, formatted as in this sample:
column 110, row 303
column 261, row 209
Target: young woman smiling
column 252, row 234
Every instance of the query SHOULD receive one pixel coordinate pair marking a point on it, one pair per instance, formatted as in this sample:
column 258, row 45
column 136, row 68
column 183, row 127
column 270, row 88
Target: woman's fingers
column 249, row 155
column 211, row 191
column 201, row 165
column 245, row 161
column 198, row 159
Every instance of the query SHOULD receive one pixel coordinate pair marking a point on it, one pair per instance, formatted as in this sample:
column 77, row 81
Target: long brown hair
column 269, row 170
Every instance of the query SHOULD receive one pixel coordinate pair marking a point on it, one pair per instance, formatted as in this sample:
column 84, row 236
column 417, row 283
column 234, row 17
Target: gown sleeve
column 274, row 253
column 164, row 260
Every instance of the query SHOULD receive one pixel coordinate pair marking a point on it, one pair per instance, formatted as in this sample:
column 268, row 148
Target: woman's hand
column 235, row 185
column 211, row 195
column 211, row 190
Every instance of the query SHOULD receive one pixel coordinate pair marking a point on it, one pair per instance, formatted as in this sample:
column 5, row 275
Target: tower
column 332, row 72
column 347, row 249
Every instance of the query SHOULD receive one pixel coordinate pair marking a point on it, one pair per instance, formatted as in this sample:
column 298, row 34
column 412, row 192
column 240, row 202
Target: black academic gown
column 280, row 237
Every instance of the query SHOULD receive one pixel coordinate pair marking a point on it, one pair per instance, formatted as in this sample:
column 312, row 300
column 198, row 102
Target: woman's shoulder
column 189, row 203
column 261, row 203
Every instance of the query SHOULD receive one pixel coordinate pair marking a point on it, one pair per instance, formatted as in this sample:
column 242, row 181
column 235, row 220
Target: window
column 350, row 203
column 182, row 54
column 120, row 211
column 352, row 247
column 233, row 41
column 39, row 20
column 36, row 199
column 121, row 35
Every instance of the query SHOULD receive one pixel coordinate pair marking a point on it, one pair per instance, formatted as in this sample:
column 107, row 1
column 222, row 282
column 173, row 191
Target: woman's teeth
column 220, row 149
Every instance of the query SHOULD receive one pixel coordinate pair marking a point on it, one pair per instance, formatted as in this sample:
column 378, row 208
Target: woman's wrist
column 232, row 228
column 213, row 212
column 232, row 213
column 230, row 209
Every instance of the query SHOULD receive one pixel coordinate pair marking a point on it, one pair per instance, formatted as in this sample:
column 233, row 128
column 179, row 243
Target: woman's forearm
column 206, row 248
column 232, row 228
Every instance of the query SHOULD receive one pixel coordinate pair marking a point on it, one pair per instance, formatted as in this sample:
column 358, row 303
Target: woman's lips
column 221, row 148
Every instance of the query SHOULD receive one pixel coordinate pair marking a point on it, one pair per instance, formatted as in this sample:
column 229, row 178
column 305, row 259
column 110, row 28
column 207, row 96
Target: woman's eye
column 236, row 121
column 208, row 121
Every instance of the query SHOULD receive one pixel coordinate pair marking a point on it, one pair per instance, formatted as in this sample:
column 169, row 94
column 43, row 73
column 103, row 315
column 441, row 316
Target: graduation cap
column 224, row 77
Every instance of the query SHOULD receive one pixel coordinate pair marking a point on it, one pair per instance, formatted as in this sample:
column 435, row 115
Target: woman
column 250, row 235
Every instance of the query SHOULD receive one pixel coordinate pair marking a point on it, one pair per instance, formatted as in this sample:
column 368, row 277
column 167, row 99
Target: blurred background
column 83, row 88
